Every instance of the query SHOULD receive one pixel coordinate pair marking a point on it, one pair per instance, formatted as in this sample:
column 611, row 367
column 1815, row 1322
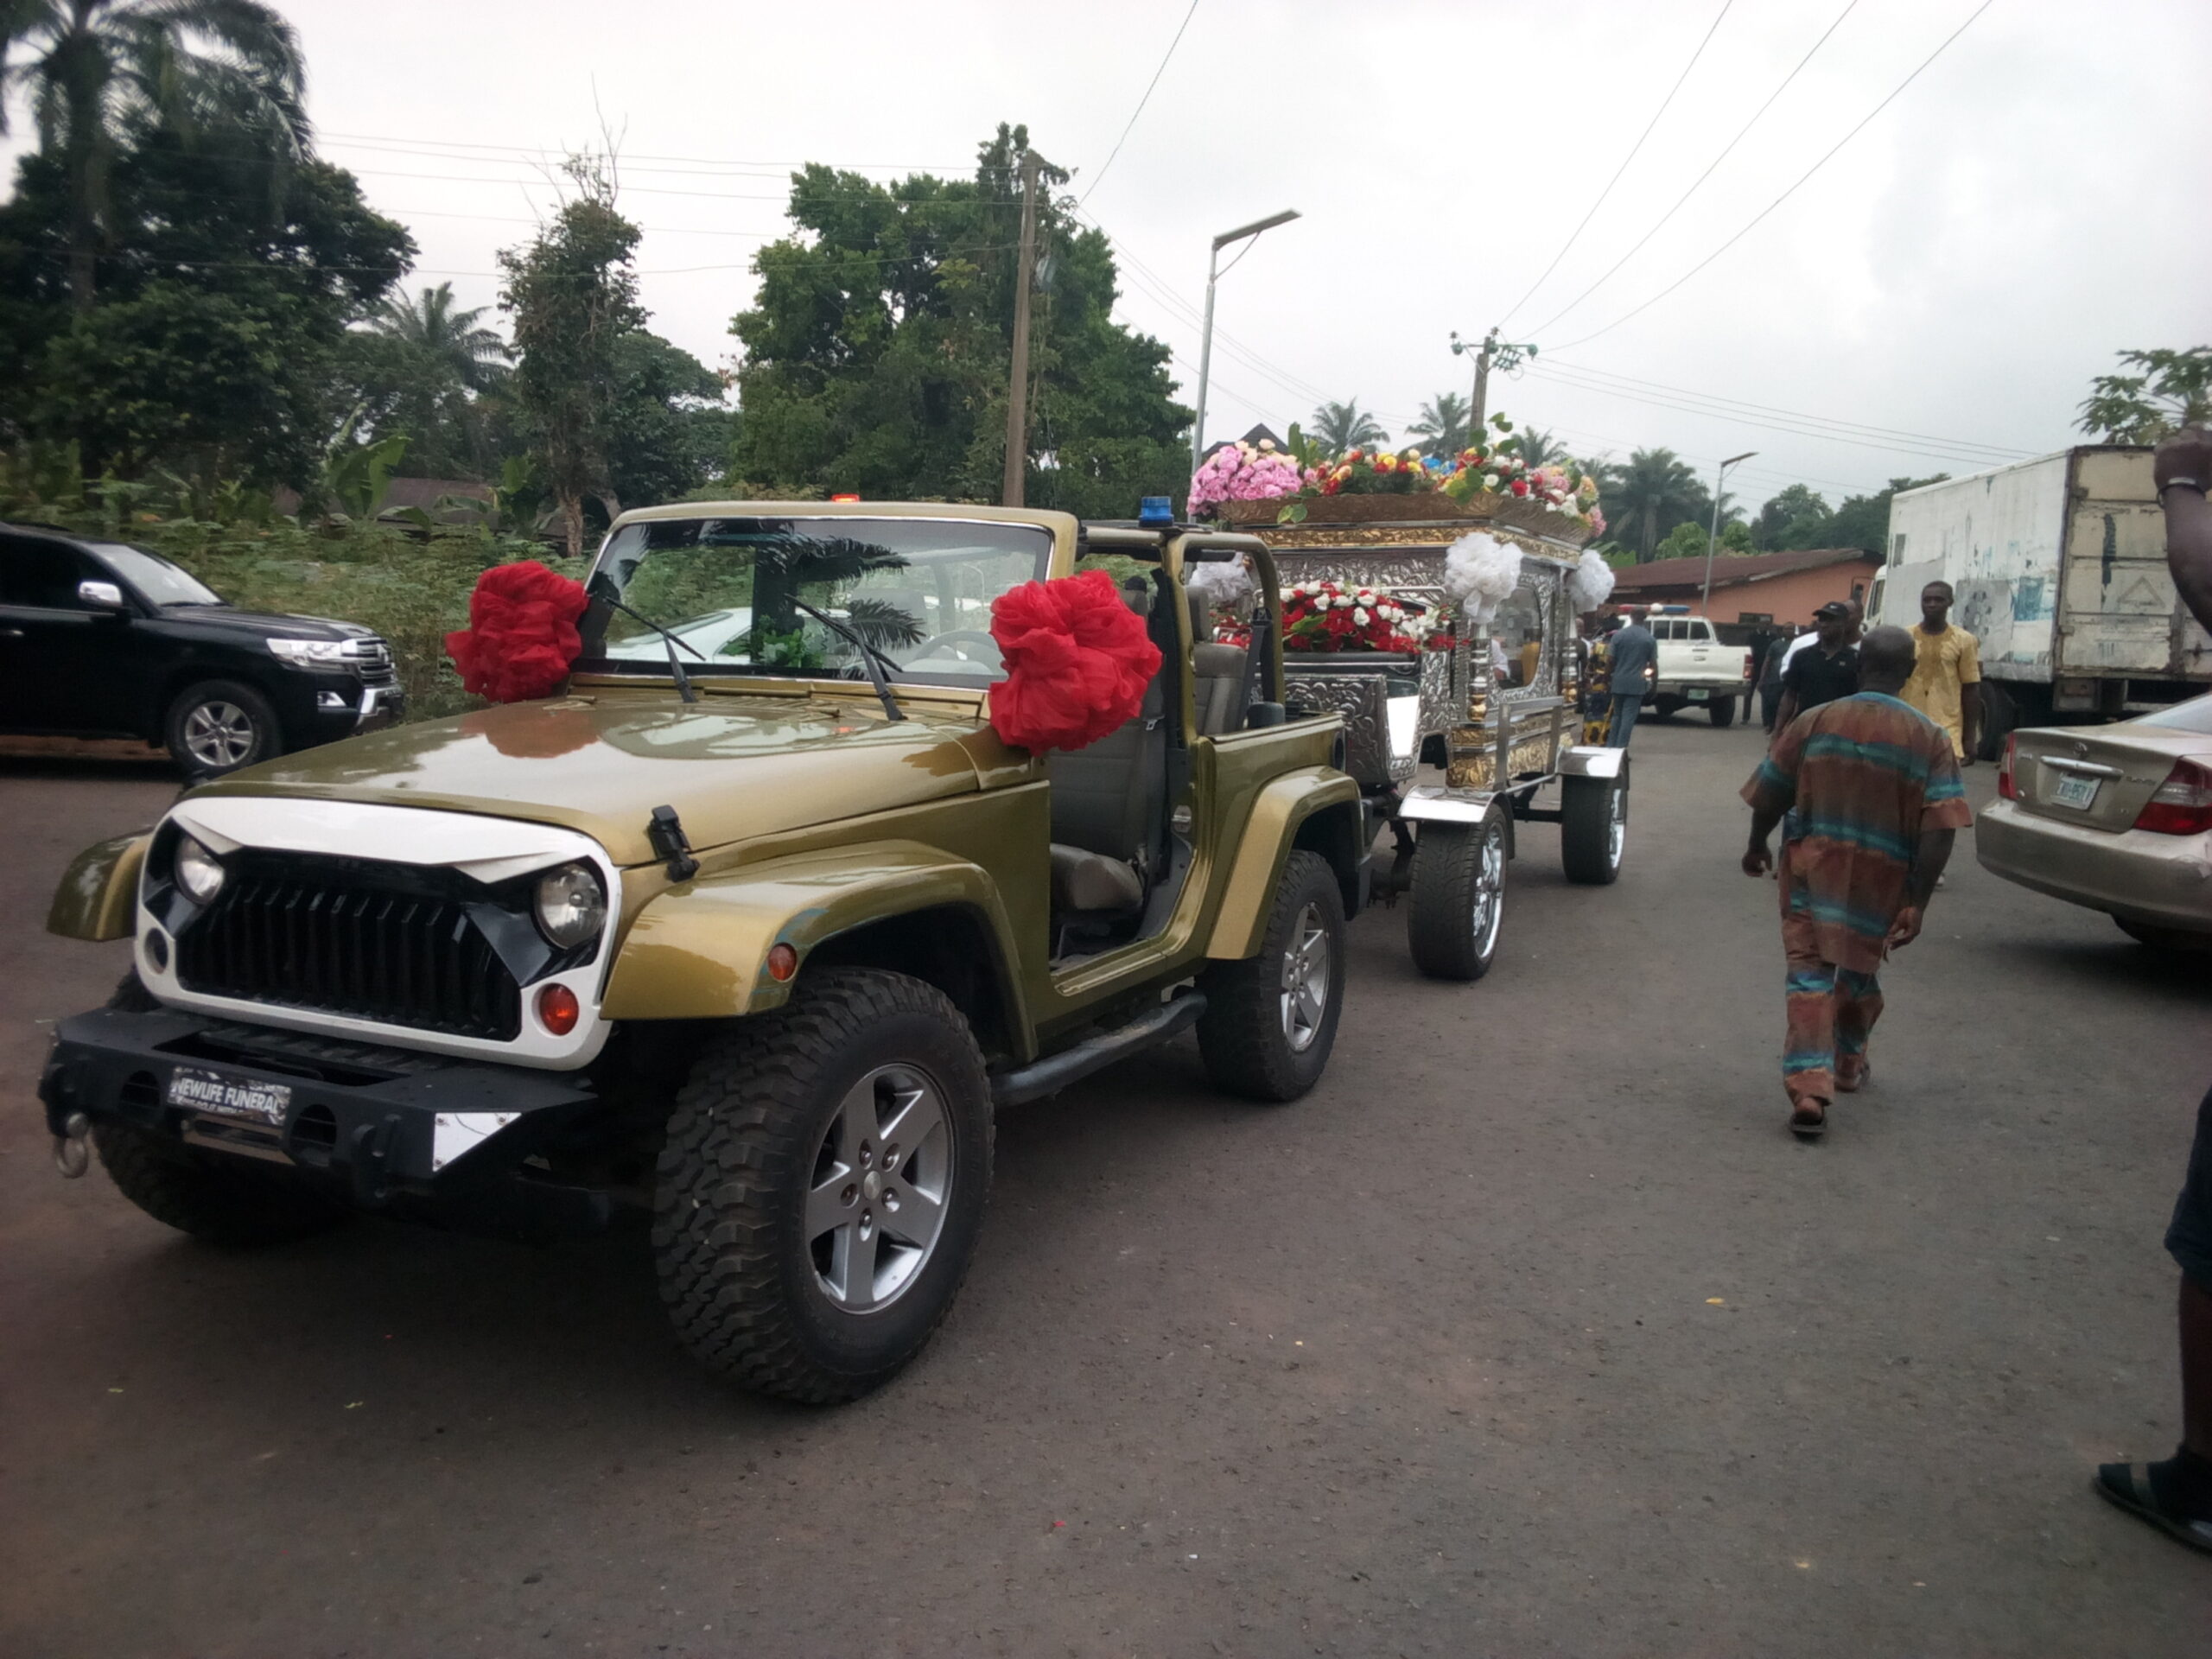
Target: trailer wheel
column 2000, row 716
column 1594, row 827
column 1458, row 902
column 1721, row 711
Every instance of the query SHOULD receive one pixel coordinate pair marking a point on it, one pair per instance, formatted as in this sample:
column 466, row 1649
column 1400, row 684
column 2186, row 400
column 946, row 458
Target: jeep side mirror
column 101, row 596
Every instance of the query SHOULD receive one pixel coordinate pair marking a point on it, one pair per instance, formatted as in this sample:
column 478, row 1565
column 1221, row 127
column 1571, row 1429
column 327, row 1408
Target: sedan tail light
column 2008, row 785
column 2183, row 804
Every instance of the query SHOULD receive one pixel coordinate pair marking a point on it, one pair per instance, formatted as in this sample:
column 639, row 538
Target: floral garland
column 1243, row 472
column 1330, row 616
column 1476, row 470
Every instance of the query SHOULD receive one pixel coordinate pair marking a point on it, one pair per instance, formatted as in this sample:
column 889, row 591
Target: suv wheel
column 211, row 1195
column 821, row 1186
column 219, row 725
column 1594, row 827
column 1458, row 902
column 1271, row 1019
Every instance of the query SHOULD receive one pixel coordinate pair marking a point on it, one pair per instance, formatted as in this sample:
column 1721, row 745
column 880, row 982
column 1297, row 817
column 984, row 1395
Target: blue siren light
column 1156, row 510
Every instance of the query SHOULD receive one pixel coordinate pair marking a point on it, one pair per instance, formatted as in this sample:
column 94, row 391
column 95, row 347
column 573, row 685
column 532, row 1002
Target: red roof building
column 1784, row 588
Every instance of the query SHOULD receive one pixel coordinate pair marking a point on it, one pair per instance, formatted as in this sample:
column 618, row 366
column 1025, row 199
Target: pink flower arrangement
column 1241, row 471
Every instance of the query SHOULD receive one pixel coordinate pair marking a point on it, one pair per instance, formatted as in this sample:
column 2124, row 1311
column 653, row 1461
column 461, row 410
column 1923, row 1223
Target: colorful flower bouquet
column 1241, row 471
column 1330, row 616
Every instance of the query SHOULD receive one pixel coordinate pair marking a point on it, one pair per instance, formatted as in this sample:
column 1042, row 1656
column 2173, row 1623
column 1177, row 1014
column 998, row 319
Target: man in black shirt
column 1824, row 671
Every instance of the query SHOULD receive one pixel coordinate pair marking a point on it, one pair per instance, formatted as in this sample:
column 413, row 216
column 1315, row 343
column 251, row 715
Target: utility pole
column 1712, row 540
column 1017, row 396
column 1506, row 354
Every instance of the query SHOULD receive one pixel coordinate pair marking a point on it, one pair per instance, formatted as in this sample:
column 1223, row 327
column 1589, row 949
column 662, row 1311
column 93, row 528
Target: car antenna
column 868, row 655
column 683, row 680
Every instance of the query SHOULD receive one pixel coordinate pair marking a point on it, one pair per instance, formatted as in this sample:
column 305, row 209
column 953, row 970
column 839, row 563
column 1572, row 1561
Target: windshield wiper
column 869, row 656
column 683, row 680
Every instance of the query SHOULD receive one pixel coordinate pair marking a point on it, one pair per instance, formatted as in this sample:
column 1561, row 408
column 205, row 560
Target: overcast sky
column 2036, row 201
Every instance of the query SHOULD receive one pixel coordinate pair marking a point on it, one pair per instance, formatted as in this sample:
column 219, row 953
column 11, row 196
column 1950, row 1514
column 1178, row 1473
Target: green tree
column 573, row 294
column 95, row 71
column 423, row 367
column 1539, row 448
column 1443, row 423
column 667, row 430
column 2173, row 389
column 1339, row 427
column 1686, row 541
column 877, row 351
column 1798, row 518
column 1736, row 537
column 1650, row 494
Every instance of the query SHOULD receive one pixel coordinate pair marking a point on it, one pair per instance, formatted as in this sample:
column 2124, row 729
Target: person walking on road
column 1872, row 800
column 1633, row 655
column 1826, row 669
column 1946, row 684
column 1769, row 661
column 2176, row 1496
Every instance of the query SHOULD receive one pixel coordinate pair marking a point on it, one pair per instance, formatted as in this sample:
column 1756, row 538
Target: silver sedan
column 2118, row 818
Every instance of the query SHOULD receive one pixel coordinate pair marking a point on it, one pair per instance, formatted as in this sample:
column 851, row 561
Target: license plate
column 1697, row 693
column 227, row 1094
column 2077, row 791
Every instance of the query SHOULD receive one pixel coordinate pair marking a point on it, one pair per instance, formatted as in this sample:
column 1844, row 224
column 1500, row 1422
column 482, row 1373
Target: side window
column 43, row 576
column 1701, row 630
column 1668, row 630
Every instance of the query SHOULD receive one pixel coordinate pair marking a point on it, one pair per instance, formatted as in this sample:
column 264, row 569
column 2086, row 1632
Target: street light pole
column 1713, row 540
column 1206, row 338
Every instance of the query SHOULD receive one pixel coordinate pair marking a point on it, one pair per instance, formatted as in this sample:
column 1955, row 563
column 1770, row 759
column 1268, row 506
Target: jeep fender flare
column 97, row 898
column 700, row 951
column 1318, row 807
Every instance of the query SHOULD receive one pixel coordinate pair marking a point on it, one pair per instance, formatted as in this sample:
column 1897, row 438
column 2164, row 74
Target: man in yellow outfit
column 1945, row 683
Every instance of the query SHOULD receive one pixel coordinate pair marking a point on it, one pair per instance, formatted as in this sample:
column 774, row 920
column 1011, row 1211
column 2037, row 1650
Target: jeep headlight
column 198, row 871
column 571, row 905
column 308, row 653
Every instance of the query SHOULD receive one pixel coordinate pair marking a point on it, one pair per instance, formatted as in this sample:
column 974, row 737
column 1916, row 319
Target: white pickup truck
column 1696, row 668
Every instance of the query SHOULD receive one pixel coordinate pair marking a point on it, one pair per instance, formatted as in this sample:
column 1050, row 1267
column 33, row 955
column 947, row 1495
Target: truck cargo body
column 2059, row 568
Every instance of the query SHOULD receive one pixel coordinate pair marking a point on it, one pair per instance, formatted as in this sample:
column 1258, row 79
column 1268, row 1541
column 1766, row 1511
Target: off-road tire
column 1441, row 929
column 730, row 1191
column 1721, row 711
column 213, row 1196
column 1242, row 1036
column 1587, row 805
column 266, row 739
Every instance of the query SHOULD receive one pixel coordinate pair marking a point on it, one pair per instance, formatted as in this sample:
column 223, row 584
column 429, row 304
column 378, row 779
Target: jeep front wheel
column 820, row 1191
column 1271, row 1019
column 1458, row 902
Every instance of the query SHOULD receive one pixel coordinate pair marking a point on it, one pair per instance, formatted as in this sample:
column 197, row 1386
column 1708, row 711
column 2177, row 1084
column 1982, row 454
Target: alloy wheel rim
column 883, row 1179
column 1489, row 890
column 218, row 733
column 1306, row 971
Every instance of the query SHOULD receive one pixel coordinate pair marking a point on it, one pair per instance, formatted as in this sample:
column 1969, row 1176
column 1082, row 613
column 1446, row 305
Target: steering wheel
column 949, row 643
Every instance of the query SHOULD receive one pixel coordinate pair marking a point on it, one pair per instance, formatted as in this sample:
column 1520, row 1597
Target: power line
column 2006, row 451
column 364, row 139
column 1633, row 148
column 1793, row 188
column 1142, row 102
column 1851, row 6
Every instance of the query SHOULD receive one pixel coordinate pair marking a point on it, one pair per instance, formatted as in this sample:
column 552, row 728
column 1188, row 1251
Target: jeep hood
column 733, row 767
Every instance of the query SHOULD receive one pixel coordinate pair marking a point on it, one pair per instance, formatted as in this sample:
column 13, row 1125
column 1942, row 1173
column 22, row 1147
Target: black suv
column 98, row 639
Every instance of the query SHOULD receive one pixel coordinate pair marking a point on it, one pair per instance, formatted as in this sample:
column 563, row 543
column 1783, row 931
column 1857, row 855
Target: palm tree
column 95, row 69
column 463, row 352
column 1339, row 427
column 1654, row 486
column 1444, row 422
column 1538, row 447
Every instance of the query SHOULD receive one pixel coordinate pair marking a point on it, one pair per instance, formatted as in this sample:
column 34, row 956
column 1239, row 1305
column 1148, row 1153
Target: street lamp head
column 1255, row 228
column 1733, row 459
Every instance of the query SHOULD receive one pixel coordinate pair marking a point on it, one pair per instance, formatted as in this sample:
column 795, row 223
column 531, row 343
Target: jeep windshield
column 919, row 590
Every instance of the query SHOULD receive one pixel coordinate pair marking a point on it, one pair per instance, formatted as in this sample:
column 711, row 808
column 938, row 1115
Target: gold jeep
column 756, row 924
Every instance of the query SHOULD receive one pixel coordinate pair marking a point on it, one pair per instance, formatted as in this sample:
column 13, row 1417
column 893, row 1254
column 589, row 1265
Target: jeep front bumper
column 386, row 1120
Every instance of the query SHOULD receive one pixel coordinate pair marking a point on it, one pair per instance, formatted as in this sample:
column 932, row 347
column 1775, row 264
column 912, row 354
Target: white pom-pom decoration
column 1480, row 573
column 1589, row 584
column 1221, row 583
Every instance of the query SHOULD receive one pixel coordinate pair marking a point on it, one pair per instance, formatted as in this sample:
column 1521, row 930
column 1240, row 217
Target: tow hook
column 73, row 1147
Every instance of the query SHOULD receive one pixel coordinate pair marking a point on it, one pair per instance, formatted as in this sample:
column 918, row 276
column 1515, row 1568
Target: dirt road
column 1531, row 1332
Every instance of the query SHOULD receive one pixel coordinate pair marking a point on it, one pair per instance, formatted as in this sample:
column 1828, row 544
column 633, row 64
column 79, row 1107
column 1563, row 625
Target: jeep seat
column 1217, row 683
column 1108, row 802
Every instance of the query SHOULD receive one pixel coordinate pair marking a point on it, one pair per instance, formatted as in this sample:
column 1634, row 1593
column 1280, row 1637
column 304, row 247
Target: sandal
column 2128, row 1486
column 1808, row 1122
column 1850, row 1082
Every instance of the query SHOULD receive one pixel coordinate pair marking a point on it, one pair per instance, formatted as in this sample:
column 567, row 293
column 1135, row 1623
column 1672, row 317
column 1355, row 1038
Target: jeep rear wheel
column 215, row 1196
column 821, row 1186
column 1458, row 902
column 1271, row 1019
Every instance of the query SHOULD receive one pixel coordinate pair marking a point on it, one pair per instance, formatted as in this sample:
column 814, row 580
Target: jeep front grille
column 341, row 942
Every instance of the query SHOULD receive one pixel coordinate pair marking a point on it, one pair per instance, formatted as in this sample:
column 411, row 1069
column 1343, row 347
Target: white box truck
column 2059, row 568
